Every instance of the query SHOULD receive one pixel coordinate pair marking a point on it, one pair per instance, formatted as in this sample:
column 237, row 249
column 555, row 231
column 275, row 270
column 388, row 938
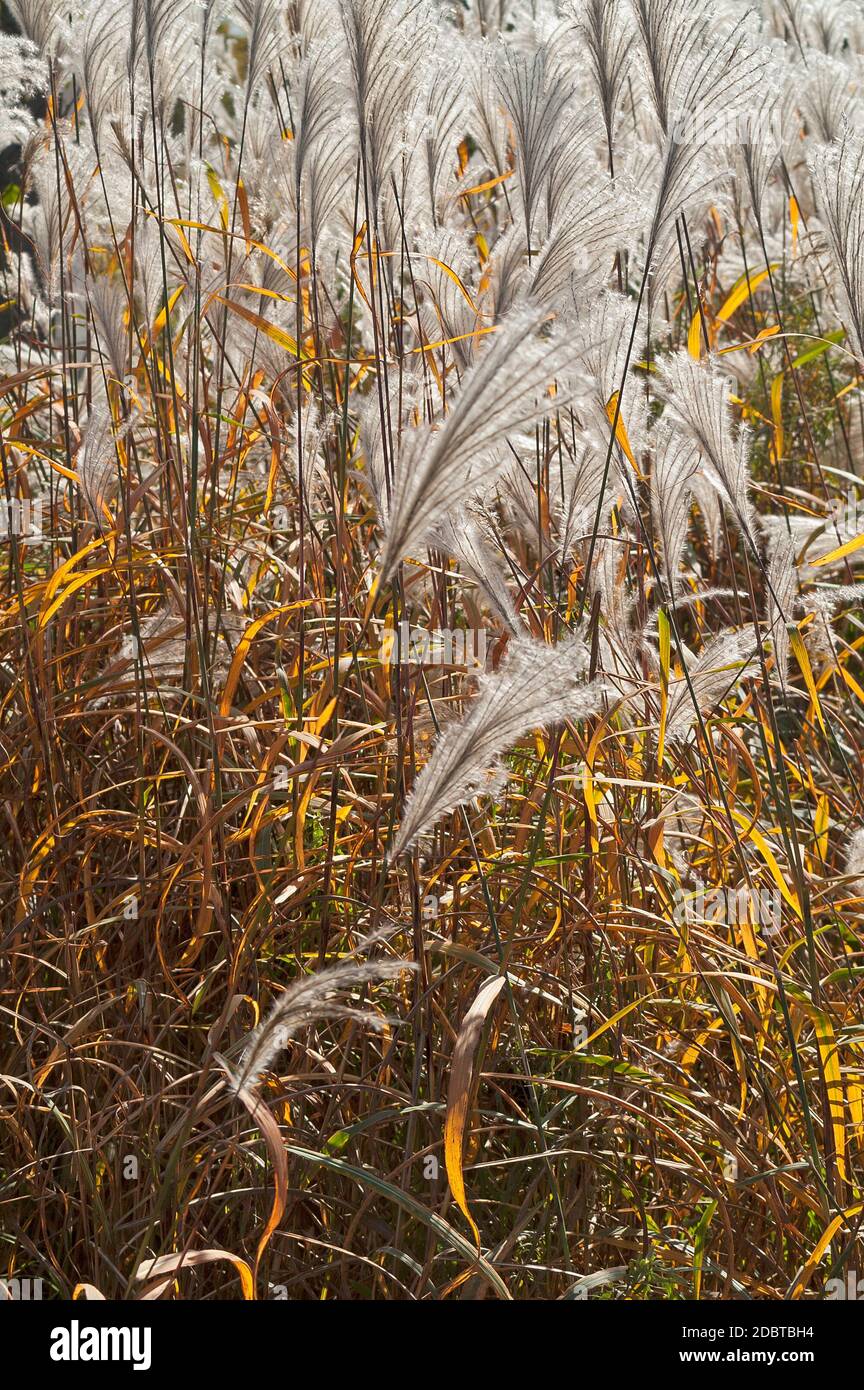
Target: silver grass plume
column 148, row 285
column 97, row 461
column 157, row 17
column 382, row 39
column 159, row 51
column 574, row 493
column 135, row 42
column 789, row 15
column 535, row 98
column 506, row 274
column 509, row 386
column 536, row 686
column 374, row 431
column 854, row 862
column 371, row 34
column 608, row 41
column 676, row 459
column 671, row 34
column 824, row 605
column 708, row 500
column 722, row 662
column 697, row 394
column 760, row 145
column 445, row 311
column 312, row 102
column 699, row 80
column 107, row 303
column 329, row 173
column 311, row 20
column 782, row 593
column 580, row 251
column 160, row 645
column 487, row 116
column 831, row 23
column 514, row 494
column 319, row 159
column 101, row 76
column 315, row 999
column 607, row 323
column 41, row 21
column 838, row 178
column 829, row 102
column 461, row 536
column 621, row 647
column 575, row 168
column 443, row 118
column 51, row 218
column 608, row 578
column 263, row 23
column 307, row 437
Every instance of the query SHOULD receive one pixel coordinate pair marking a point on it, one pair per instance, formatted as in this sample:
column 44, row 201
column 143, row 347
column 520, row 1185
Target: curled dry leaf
column 459, row 1091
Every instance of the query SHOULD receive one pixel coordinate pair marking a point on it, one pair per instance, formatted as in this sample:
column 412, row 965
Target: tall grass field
column 432, row 649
